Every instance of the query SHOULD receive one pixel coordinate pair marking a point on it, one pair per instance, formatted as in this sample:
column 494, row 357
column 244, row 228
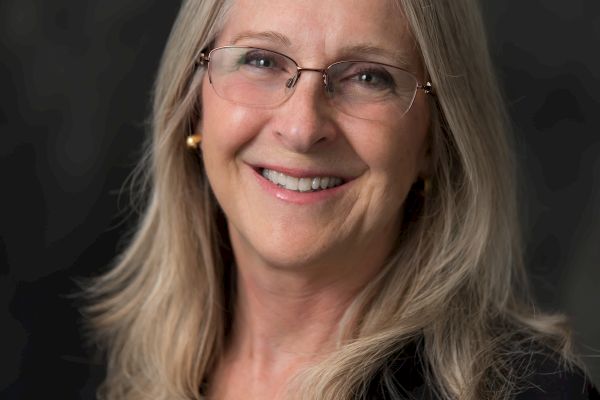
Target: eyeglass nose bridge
column 290, row 83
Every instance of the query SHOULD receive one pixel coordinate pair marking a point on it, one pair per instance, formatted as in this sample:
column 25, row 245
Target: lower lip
column 295, row 197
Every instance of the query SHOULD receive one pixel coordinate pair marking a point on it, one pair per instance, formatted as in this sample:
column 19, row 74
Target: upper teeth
column 301, row 184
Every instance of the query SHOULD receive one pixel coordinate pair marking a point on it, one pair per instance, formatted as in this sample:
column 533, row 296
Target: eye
column 261, row 59
column 357, row 78
column 373, row 77
column 258, row 61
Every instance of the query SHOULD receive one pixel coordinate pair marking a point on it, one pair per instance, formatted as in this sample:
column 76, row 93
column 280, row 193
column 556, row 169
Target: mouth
column 301, row 184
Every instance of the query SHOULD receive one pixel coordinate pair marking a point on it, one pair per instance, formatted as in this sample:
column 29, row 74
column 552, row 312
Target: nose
column 305, row 119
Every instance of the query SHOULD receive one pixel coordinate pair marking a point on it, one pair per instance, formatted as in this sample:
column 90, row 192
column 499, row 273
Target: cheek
column 394, row 152
column 224, row 125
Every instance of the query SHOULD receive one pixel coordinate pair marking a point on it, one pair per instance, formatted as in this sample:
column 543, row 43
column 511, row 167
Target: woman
column 344, row 226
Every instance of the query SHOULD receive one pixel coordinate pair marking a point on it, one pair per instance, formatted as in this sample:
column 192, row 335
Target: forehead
column 318, row 29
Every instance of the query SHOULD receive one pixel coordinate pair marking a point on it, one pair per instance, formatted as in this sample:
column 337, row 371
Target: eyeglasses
column 264, row 78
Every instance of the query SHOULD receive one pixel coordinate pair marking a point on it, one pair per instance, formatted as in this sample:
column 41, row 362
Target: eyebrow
column 398, row 58
column 266, row 35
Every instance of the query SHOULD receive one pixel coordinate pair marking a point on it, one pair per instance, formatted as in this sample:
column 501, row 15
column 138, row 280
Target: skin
column 300, row 265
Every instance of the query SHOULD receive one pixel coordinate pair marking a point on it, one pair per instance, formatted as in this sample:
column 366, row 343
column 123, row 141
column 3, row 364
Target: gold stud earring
column 423, row 187
column 193, row 141
column 426, row 186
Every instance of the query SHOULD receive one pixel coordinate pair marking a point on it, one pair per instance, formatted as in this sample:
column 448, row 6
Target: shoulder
column 546, row 377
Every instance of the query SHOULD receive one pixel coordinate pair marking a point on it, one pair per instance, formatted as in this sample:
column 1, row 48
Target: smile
column 305, row 184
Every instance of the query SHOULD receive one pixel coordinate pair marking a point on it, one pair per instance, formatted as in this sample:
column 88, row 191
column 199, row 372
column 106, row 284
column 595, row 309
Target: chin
column 287, row 252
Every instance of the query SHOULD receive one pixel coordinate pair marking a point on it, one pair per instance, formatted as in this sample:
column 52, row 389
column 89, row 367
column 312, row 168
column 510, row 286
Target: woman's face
column 306, row 137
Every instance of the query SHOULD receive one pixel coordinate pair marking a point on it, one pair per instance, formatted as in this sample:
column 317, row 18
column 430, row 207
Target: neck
column 287, row 318
column 277, row 331
column 281, row 318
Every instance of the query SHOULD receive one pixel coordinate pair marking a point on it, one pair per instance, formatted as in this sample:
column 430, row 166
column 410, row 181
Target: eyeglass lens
column 258, row 77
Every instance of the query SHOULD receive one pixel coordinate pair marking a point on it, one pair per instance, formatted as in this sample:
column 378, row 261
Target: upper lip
column 304, row 172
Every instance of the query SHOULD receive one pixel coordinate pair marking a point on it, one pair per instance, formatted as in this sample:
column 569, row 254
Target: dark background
column 75, row 79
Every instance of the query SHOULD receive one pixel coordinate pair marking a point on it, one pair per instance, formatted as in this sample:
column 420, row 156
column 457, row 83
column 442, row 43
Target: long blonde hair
column 455, row 282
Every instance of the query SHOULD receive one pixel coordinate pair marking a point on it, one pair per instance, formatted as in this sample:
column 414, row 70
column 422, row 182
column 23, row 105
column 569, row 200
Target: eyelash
column 378, row 74
column 247, row 58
